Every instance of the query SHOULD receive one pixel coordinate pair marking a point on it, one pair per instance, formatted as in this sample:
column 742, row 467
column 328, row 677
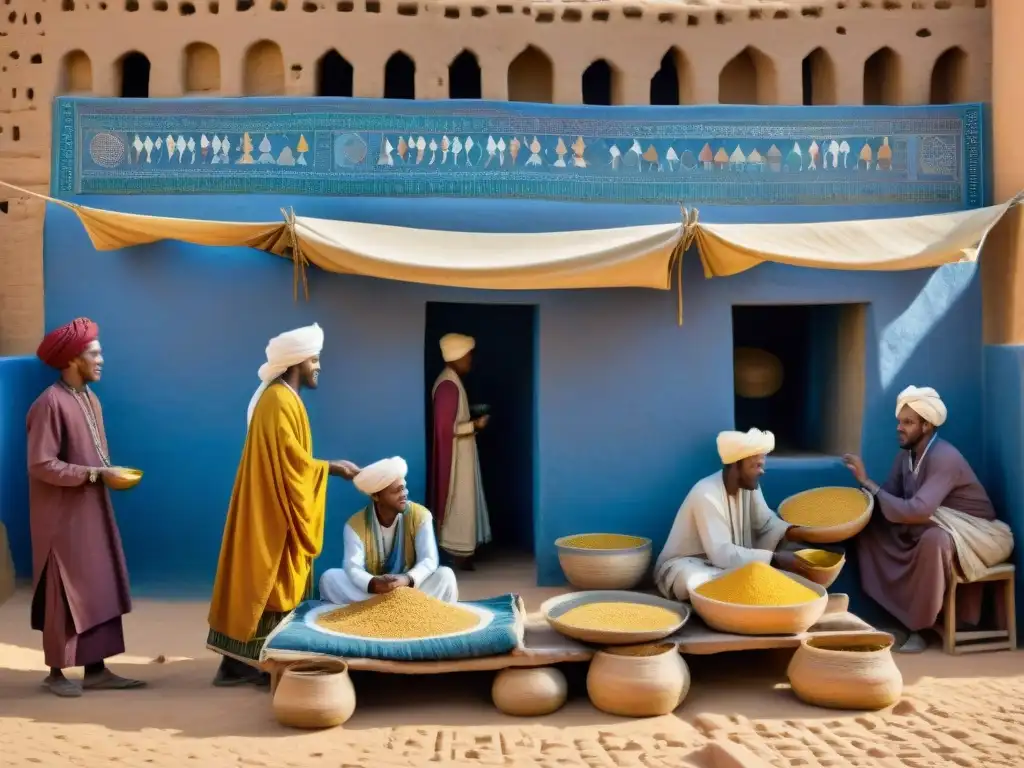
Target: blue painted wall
column 628, row 404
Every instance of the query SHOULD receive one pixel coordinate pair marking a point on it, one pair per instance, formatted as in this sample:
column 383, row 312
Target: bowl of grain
column 122, row 478
column 822, row 566
column 756, row 599
column 828, row 515
column 604, row 560
column 614, row 617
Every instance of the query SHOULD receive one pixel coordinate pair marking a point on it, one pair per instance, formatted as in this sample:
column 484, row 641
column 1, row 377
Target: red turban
column 64, row 344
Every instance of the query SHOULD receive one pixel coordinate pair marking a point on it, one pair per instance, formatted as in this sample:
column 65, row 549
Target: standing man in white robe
column 456, row 490
column 389, row 544
column 725, row 522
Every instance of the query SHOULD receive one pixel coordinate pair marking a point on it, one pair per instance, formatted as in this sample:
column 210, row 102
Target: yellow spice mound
column 824, row 507
column 404, row 613
column 757, row 584
column 653, row 649
column 620, row 617
column 603, row 541
column 819, row 558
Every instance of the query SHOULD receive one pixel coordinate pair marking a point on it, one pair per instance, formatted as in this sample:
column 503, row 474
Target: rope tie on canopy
column 299, row 260
column 691, row 222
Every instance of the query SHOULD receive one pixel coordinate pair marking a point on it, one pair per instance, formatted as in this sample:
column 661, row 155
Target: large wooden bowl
column 123, row 480
column 832, row 534
column 557, row 606
column 762, row 619
column 591, row 568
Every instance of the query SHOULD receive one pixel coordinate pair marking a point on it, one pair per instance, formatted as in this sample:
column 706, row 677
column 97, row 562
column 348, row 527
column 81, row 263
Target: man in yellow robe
column 275, row 523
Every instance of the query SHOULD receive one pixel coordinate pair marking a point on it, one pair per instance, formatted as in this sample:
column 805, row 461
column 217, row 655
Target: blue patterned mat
column 499, row 632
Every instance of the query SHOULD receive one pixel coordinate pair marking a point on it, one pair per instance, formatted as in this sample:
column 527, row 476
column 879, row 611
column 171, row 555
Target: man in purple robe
column 906, row 558
column 80, row 582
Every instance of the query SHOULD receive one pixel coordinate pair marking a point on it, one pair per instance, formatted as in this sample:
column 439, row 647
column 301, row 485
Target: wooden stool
column 957, row 643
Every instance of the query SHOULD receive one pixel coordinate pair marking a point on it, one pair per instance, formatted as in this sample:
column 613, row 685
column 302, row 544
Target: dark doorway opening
column 503, row 377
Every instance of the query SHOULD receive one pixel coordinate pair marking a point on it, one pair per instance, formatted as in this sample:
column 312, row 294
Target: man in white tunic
column 725, row 522
column 456, row 490
column 389, row 544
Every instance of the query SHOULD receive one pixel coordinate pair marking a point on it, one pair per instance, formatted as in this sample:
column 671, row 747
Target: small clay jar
column 529, row 692
column 628, row 685
column 316, row 694
column 848, row 671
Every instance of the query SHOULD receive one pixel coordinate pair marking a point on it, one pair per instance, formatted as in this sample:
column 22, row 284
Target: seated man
column 906, row 554
column 725, row 522
column 389, row 544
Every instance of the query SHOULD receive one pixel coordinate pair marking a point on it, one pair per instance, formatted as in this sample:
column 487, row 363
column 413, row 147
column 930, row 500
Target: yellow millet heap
column 620, row 617
column 603, row 541
column 757, row 584
column 819, row 558
column 824, row 507
column 403, row 613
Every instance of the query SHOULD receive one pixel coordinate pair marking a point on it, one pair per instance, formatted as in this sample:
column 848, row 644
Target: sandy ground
column 955, row 712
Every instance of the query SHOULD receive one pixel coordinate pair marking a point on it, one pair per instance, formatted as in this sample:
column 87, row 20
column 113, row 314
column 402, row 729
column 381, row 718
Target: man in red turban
column 80, row 582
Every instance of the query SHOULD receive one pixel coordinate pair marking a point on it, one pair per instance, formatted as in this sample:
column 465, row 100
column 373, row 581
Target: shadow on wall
column 21, row 381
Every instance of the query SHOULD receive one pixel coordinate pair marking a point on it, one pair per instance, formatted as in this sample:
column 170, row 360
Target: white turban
column 734, row 446
column 284, row 351
column 455, row 346
column 925, row 402
column 381, row 474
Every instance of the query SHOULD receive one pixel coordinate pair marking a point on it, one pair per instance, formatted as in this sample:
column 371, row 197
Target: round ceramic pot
column 849, row 671
column 529, row 692
column 638, row 686
column 316, row 694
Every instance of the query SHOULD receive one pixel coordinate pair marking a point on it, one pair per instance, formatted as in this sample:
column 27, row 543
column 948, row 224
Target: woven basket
column 826, row 575
column 604, row 568
column 557, row 606
column 825, row 673
column 761, row 619
column 529, row 692
column 123, row 480
column 832, row 534
column 638, row 686
column 316, row 694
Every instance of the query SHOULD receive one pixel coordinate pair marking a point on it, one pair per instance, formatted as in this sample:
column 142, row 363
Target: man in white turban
column 725, row 522
column 914, row 540
column 455, row 490
column 388, row 544
column 275, row 522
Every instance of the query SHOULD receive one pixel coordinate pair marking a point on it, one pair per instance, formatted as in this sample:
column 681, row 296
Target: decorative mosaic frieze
column 724, row 155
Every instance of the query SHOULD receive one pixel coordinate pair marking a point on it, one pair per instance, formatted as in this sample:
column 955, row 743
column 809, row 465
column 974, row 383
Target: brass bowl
column 122, row 480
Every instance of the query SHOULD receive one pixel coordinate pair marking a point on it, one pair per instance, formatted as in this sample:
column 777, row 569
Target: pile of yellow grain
column 824, row 507
column 759, row 585
column 650, row 649
column 620, row 617
column 603, row 541
column 403, row 613
column 819, row 558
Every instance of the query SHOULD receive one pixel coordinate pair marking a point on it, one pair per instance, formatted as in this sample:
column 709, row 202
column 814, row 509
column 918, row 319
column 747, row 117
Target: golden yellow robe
column 275, row 525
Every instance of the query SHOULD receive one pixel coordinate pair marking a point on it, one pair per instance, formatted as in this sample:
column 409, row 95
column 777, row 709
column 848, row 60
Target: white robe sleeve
column 716, row 537
column 768, row 529
column 427, row 558
column 355, row 560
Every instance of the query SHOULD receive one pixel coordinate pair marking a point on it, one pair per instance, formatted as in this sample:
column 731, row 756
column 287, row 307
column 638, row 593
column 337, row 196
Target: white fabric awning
column 623, row 257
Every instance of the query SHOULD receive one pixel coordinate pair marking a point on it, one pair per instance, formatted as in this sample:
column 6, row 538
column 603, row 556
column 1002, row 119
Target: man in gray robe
column 906, row 555
column 725, row 522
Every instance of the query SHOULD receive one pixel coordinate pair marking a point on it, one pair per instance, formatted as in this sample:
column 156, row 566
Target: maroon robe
column 445, row 413
column 906, row 560
column 80, row 582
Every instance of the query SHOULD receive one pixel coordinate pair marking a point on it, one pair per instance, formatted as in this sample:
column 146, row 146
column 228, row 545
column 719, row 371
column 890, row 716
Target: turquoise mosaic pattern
column 722, row 155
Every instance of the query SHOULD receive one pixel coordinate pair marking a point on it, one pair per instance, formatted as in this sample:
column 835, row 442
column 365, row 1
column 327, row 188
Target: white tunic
column 714, row 531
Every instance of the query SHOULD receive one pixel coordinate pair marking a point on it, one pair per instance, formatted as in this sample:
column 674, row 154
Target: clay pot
column 316, row 694
column 604, row 568
column 849, row 671
column 638, row 686
column 529, row 692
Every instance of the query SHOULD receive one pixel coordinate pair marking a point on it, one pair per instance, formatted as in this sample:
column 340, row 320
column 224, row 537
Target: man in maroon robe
column 906, row 559
column 79, row 574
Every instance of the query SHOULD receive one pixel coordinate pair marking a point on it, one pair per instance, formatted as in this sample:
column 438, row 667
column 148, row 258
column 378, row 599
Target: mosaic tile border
column 720, row 155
